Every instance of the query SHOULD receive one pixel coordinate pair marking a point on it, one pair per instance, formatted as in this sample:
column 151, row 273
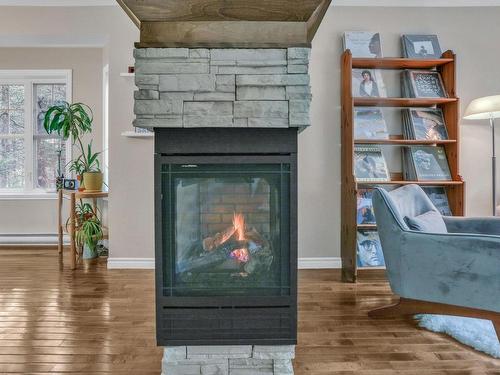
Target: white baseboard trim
column 131, row 263
column 149, row 263
column 319, row 263
column 31, row 239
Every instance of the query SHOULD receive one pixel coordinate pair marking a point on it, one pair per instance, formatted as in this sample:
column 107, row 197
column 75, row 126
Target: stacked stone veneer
column 228, row 360
column 182, row 87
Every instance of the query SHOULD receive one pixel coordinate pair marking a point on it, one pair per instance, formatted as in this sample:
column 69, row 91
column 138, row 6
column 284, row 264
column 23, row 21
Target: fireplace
column 226, row 252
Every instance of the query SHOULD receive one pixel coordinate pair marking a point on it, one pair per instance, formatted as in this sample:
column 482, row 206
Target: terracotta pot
column 93, row 181
column 81, row 186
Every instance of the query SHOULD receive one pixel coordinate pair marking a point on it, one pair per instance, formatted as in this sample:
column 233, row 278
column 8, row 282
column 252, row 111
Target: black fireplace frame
column 277, row 315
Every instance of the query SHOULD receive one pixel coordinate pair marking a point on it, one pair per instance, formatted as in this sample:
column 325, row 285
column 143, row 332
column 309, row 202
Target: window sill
column 31, row 195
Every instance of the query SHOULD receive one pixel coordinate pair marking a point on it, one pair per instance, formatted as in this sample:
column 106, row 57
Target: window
column 31, row 159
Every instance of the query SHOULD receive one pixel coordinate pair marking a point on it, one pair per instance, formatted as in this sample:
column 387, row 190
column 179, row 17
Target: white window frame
column 29, row 78
column 105, row 122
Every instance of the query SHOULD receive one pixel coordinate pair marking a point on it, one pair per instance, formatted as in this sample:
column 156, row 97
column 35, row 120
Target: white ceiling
column 388, row 3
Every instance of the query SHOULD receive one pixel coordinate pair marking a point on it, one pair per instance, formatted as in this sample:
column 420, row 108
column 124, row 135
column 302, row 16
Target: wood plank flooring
column 95, row 321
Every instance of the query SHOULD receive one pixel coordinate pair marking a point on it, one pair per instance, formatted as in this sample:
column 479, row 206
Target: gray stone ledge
column 248, row 54
column 252, row 70
column 171, row 68
column 146, row 95
column 260, row 93
column 152, row 53
column 187, row 82
column 209, row 108
column 273, row 80
column 259, row 109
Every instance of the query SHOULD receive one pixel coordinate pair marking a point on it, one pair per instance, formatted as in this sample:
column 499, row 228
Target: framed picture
column 369, row 164
column 369, row 249
column 368, row 83
column 421, row 46
column 426, row 84
column 363, row 43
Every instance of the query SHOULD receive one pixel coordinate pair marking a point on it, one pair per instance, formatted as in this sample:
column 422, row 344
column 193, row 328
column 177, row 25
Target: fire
column 240, row 255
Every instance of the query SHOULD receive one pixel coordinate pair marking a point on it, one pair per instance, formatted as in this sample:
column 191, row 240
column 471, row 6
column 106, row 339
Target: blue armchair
column 453, row 273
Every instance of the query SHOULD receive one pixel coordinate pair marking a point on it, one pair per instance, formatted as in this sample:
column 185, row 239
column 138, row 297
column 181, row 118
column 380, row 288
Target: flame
column 240, row 255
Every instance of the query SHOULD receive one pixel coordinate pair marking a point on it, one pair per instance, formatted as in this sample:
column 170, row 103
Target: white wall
column 471, row 32
column 38, row 216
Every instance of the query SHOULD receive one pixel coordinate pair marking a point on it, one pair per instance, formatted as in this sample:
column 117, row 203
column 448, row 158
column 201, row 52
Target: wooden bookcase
column 450, row 106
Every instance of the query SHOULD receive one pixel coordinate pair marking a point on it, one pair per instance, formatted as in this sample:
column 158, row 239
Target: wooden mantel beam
column 226, row 23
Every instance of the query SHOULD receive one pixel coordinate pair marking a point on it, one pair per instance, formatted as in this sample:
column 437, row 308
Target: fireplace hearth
column 226, row 232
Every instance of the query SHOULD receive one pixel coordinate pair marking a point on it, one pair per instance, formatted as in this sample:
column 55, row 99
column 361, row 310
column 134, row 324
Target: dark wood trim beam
column 127, row 10
column 316, row 18
column 224, row 34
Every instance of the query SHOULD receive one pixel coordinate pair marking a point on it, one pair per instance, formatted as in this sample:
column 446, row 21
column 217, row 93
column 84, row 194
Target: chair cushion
column 429, row 222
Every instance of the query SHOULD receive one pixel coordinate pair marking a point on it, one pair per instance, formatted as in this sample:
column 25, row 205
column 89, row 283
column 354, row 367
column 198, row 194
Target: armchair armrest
column 475, row 225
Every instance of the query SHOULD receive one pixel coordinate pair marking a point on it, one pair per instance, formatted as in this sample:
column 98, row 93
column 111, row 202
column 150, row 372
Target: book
column 369, row 123
column 421, row 46
column 369, row 249
column 368, row 83
column 438, row 196
column 423, row 84
column 424, row 124
column 363, row 43
column 365, row 214
column 423, row 163
column 369, row 164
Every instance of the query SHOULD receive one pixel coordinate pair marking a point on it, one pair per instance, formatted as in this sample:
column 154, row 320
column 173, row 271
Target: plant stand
column 72, row 196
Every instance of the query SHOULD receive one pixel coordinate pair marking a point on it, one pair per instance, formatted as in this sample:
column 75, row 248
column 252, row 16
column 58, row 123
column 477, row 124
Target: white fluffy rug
column 477, row 333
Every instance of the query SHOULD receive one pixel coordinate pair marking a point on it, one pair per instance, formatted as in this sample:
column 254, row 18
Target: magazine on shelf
column 369, row 249
column 365, row 214
column 369, row 123
column 368, row 83
column 424, row 163
column 363, row 43
column 369, row 164
column 424, row 124
column 422, row 84
column 421, row 46
column 438, row 196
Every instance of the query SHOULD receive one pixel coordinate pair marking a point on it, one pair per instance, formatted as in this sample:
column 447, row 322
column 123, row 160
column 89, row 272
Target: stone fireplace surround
column 256, row 88
column 223, row 88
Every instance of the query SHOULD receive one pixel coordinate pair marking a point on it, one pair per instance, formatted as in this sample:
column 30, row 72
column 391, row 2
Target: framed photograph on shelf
column 368, row 83
column 369, row 249
column 421, row 46
column 369, row 164
column 363, row 43
column 425, row 84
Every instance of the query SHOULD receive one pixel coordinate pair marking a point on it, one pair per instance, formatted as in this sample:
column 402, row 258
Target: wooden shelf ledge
column 401, row 102
column 404, row 141
column 399, row 63
column 401, row 182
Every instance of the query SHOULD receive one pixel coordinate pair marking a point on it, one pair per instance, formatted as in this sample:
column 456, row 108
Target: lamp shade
column 483, row 108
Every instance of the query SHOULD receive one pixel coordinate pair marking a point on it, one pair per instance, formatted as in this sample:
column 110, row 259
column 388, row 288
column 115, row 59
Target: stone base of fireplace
column 228, row 360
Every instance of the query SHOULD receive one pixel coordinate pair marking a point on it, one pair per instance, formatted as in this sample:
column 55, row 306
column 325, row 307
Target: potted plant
column 73, row 121
column 92, row 174
column 89, row 230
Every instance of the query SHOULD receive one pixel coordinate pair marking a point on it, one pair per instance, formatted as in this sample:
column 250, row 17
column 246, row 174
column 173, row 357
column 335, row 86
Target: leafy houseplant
column 89, row 229
column 73, row 121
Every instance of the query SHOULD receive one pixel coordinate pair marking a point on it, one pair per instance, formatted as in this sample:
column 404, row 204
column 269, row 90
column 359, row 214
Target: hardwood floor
column 90, row 321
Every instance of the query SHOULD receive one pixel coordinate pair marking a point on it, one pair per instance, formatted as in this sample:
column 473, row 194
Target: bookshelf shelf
column 399, row 63
column 404, row 182
column 401, row 102
column 446, row 66
column 402, row 142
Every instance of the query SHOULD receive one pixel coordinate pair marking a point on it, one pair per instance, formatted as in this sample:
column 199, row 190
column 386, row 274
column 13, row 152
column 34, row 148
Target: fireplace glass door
column 225, row 229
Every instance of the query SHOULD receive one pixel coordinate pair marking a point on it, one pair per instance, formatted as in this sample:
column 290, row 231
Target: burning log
column 210, row 243
column 246, row 247
column 210, row 259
